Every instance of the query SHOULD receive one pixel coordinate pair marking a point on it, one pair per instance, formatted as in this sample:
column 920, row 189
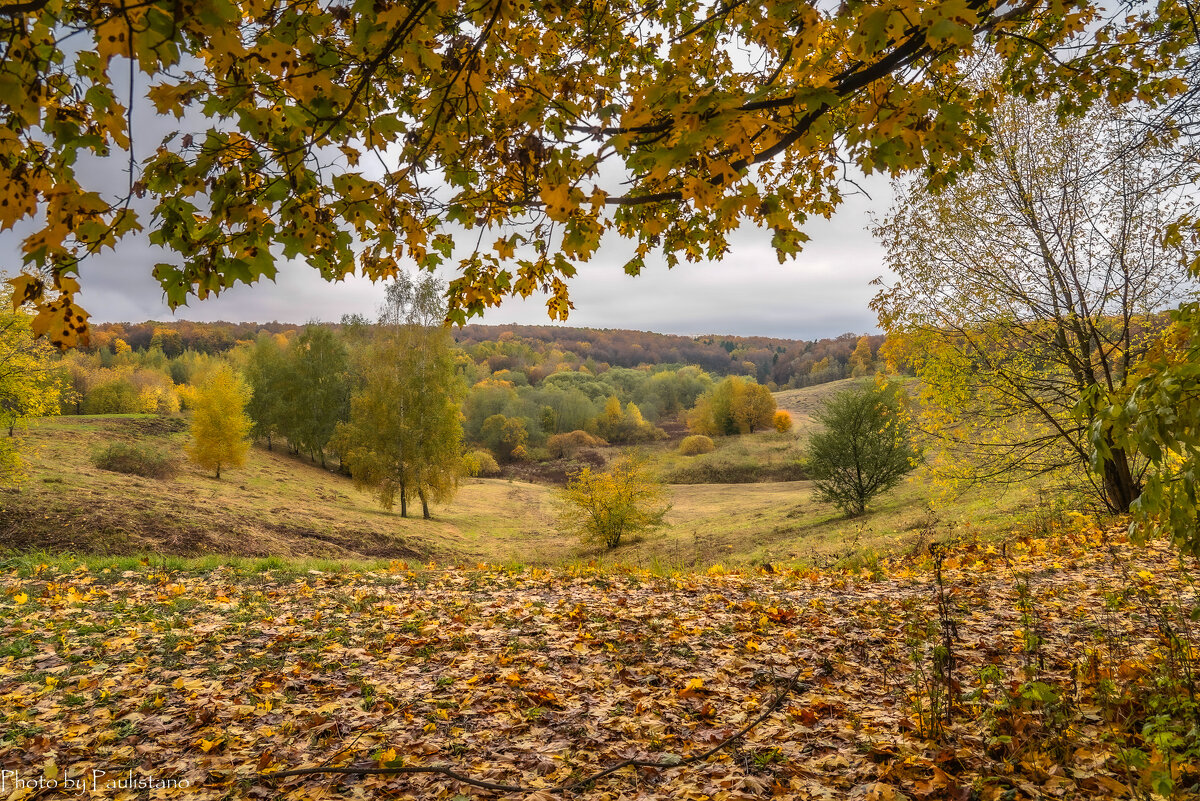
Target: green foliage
column 603, row 508
column 1157, row 415
column 219, row 423
column 506, row 437
column 864, row 449
column 112, row 397
column 625, row 425
column 137, row 460
column 267, row 375
column 315, row 390
column 696, row 444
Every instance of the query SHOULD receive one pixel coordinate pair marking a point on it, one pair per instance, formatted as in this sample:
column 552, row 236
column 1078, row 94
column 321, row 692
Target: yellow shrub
column 696, row 444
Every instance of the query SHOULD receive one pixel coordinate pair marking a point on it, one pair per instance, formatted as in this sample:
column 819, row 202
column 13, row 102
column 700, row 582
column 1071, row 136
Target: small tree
column 864, row 449
column 30, row 385
column 604, row 507
column 219, row 422
column 861, row 359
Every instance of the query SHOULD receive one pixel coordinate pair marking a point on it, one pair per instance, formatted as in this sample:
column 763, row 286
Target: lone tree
column 864, row 449
column 219, row 423
column 358, row 137
column 605, row 507
column 1033, row 286
column 404, row 434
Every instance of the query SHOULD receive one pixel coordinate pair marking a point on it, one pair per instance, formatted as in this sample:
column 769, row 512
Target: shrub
column 137, row 460
column 480, row 463
column 782, row 421
column 696, row 444
column 564, row 446
column 603, row 508
column 626, row 425
column 506, row 437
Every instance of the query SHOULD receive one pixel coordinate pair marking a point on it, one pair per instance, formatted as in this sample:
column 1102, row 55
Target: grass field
column 282, row 506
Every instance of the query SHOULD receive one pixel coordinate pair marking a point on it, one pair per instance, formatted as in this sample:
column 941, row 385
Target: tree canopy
column 362, row 136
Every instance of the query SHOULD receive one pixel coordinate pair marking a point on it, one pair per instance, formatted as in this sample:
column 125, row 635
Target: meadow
column 281, row 505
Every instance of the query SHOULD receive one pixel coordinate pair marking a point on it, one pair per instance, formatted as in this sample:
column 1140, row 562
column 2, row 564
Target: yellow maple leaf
column 558, row 200
column 21, row 598
column 26, row 288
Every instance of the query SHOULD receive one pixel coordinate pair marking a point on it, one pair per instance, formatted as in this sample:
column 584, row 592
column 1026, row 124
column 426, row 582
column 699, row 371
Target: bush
column 480, row 463
column 564, row 446
column 506, row 437
column 137, row 460
column 696, row 444
column 603, row 508
column 782, row 421
column 734, row 406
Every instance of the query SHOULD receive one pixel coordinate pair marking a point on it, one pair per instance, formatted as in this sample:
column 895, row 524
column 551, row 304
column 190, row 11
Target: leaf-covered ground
column 1068, row 659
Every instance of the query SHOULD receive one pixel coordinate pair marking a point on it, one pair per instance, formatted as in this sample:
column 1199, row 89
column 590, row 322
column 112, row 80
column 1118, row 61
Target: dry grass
column 279, row 505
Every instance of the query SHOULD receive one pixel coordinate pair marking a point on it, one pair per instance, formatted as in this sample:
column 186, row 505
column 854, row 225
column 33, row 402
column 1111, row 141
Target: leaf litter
column 538, row 681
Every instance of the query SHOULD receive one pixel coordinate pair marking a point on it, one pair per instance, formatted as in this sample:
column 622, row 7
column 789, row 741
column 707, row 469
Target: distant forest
column 540, row 350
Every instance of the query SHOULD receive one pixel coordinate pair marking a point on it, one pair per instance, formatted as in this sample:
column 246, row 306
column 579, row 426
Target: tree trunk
column 269, row 442
column 403, row 502
column 424, row 505
column 1120, row 487
column 218, row 470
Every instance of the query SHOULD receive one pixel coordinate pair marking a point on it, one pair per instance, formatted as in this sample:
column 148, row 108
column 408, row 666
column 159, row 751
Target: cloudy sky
column 822, row 293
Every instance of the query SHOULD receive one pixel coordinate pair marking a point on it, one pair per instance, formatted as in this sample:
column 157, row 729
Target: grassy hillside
column 279, row 505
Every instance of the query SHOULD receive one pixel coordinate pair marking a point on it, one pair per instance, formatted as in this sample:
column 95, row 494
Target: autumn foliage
column 606, row 507
column 219, row 426
column 696, row 444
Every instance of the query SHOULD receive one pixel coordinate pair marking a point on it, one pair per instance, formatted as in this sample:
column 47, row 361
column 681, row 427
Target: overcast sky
column 822, row 293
